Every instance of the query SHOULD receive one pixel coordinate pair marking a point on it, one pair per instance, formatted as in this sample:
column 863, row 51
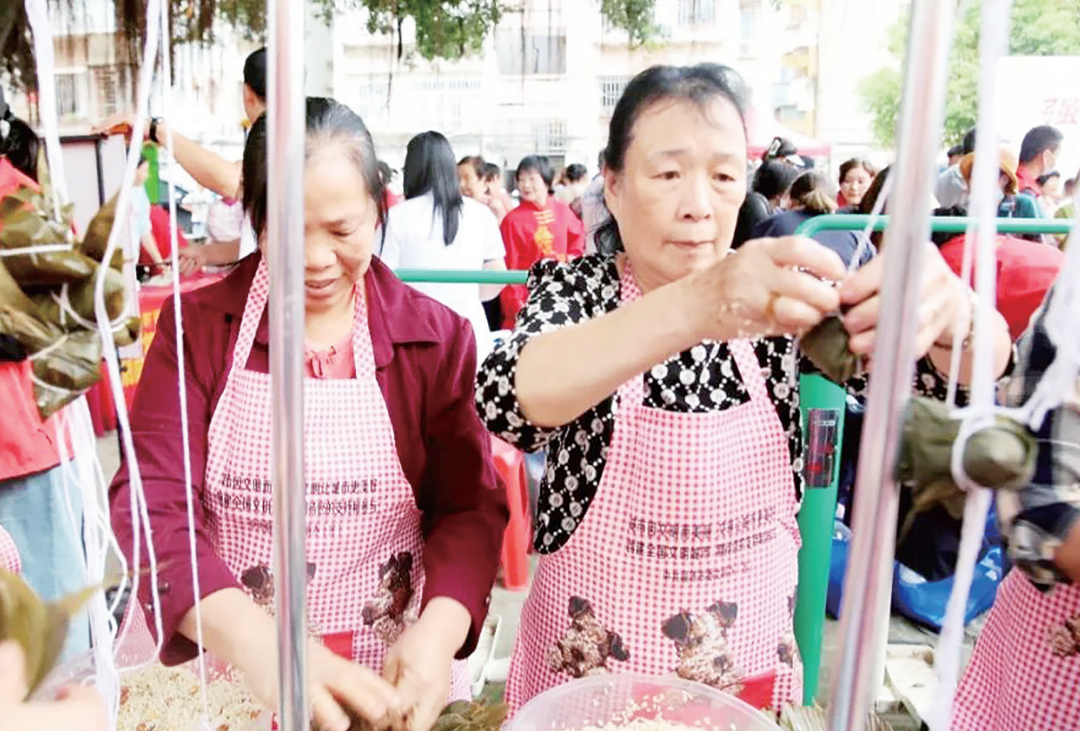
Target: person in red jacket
column 539, row 228
column 1025, row 272
column 34, row 493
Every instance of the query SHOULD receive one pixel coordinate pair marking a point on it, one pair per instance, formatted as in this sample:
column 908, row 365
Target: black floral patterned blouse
column 701, row 379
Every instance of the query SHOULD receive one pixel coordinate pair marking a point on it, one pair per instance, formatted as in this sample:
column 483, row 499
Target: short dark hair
column 967, row 145
column 699, row 84
column 774, row 178
column 1037, row 141
column 576, row 172
column 255, row 73
column 385, row 171
column 813, row 191
column 956, row 151
column 430, row 168
column 1044, row 179
column 477, row 163
column 491, row 171
column 326, row 120
column 538, row 164
column 20, row 146
column 858, row 162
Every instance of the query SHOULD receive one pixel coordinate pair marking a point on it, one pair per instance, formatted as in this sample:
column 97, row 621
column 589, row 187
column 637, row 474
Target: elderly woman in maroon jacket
column 405, row 513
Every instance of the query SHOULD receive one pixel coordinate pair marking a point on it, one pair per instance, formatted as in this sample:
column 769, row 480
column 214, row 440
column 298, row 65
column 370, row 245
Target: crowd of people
column 652, row 356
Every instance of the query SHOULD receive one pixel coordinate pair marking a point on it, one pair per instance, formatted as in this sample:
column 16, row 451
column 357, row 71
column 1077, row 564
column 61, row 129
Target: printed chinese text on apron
column 1025, row 672
column 686, row 561
column 364, row 546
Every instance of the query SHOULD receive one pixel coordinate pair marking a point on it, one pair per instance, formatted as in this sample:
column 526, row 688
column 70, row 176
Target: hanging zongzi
column 826, row 345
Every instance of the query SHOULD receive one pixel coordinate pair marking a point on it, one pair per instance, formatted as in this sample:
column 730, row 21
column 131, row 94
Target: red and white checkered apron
column 9, row 553
column 686, row 562
column 1015, row 682
column 364, row 546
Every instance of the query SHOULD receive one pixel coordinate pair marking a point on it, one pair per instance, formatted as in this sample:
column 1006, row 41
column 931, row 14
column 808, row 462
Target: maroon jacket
column 425, row 360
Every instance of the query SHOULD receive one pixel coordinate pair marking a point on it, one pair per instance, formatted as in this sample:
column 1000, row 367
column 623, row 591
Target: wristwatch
column 153, row 130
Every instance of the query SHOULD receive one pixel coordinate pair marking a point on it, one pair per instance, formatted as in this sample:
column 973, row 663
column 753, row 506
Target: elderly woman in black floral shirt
column 662, row 377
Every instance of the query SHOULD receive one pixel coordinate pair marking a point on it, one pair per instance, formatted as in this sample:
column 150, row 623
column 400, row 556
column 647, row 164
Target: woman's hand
column 75, row 707
column 337, row 687
column 944, row 304
column 419, row 662
column 767, row 287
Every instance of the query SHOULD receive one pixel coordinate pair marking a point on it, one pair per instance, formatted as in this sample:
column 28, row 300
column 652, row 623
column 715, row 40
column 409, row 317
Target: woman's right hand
column 337, row 688
column 768, row 287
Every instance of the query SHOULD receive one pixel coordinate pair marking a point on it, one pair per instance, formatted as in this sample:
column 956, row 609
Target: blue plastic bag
column 913, row 596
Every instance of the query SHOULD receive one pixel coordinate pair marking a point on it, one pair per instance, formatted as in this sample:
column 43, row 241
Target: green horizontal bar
column 838, row 222
column 440, row 276
column 945, row 224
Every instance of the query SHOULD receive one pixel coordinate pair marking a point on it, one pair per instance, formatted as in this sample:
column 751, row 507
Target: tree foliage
column 1039, row 28
column 446, row 29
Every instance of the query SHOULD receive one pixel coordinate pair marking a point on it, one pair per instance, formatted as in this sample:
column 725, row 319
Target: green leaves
column 40, row 628
column 1039, row 28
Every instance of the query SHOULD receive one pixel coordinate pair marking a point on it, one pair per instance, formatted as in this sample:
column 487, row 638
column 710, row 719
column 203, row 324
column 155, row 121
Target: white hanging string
column 83, row 472
column 174, row 257
column 140, row 518
column 993, row 43
column 37, row 12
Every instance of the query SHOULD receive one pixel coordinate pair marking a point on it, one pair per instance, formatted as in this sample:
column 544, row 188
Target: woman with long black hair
column 438, row 228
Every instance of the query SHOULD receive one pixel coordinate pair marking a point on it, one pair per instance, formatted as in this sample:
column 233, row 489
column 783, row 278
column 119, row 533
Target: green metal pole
column 823, row 405
column 945, row 224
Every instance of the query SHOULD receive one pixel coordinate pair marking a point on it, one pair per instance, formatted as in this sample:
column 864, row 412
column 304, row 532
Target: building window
column 67, row 95
column 611, row 90
column 373, row 98
column 550, row 137
column 106, row 87
column 529, row 54
column 451, row 104
column 697, row 13
column 749, row 18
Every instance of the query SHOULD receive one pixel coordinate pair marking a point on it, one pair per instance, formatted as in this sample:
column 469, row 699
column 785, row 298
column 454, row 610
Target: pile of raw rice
column 158, row 698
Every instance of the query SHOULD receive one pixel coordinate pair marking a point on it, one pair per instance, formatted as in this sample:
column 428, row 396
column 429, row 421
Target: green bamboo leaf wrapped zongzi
column 40, row 628
column 999, row 457
column 96, row 240
column 19, row 316
column 81, row 301
column 826, row 345
column 67, row 371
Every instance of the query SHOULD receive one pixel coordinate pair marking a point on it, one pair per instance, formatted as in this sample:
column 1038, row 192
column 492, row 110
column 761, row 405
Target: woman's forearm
column 233, row 627
column 563, row 374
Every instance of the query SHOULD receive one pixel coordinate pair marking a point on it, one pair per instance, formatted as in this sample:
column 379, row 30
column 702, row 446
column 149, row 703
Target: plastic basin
column 624, row 698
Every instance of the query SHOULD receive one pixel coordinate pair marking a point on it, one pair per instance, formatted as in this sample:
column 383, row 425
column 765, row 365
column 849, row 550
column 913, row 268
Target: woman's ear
column 612, row 189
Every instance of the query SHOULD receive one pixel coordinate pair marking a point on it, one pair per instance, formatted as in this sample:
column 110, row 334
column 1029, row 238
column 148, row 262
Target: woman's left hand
column 944, row 304
column 418, row 665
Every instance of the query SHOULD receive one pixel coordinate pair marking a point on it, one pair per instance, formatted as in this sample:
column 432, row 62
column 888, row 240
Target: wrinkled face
column 532, row 187
column 339, row 228
column 471, row 185
column 855, row 184
column 678, row 195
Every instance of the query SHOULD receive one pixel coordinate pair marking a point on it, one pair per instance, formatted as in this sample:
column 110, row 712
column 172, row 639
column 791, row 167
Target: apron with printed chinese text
column 364, row 545
column 686, row 561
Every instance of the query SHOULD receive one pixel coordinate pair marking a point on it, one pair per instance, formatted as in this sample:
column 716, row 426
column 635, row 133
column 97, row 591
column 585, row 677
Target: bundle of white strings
column 982, row 410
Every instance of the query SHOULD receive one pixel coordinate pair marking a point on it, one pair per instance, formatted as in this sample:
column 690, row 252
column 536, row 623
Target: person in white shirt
column 435, row 227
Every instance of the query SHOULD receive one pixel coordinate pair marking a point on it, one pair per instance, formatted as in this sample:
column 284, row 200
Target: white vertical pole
column 285, row 249
column 870, row 572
